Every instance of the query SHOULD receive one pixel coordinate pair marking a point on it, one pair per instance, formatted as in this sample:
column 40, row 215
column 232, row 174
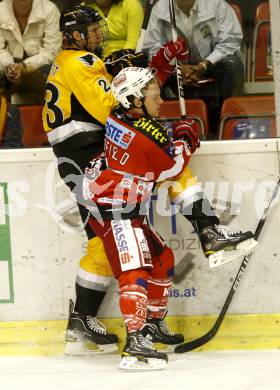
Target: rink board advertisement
column 42, row 241
column 6, row 272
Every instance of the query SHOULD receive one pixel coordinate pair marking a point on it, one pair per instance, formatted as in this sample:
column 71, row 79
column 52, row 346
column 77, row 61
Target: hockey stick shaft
column 189, row 346
column 148, row 10
column 180, row 86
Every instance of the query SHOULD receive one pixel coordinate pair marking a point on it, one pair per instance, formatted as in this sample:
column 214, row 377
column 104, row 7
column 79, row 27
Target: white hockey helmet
column 130, row 82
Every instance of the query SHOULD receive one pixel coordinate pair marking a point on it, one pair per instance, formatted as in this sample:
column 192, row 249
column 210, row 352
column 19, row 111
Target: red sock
column 133, row 305
column 158, row 293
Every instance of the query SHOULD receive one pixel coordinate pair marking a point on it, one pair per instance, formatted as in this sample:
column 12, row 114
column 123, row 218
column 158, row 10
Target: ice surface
column 230, row 370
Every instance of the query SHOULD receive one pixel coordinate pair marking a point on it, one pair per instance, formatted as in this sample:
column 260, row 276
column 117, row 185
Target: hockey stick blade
column 189, row 346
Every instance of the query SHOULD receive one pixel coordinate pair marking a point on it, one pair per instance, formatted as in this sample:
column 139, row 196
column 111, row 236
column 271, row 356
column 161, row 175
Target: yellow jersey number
column 54, row 114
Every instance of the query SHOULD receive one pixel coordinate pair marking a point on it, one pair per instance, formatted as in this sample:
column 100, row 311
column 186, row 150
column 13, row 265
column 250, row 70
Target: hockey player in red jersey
column 138, row 153
column 74, row 124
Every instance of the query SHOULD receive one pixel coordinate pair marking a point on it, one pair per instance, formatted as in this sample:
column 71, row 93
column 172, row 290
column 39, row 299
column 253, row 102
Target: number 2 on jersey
column 104, row 84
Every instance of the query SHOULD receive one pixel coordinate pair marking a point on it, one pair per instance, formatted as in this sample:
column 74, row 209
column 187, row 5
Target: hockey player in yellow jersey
column 77, row 103
column 78, row 86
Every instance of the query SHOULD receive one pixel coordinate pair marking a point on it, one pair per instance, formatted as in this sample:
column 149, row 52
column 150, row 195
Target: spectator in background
column 124, row 19
column 29, row 41
column 214, row 35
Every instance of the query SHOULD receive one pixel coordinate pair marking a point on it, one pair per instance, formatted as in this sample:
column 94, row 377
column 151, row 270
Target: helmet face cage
column 130, row 82
column 103, row 37
column 79, row 18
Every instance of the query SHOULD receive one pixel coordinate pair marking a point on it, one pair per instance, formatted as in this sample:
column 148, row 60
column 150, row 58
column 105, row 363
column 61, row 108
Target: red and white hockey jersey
column 138, row 153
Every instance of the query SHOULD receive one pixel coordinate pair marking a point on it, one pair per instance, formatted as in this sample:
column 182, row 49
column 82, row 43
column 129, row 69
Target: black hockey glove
column 124, row 58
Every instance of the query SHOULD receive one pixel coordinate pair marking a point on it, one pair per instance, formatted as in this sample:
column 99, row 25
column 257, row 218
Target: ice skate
column 139, row 354
column 86, row 335
column 157, row 332
column 221, row 245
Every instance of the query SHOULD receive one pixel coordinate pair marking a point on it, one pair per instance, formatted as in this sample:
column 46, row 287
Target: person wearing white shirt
column 29, row 41
column 214, row 36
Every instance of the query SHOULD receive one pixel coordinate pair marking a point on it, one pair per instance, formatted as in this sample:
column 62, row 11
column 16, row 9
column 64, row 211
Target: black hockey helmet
column 78, row 18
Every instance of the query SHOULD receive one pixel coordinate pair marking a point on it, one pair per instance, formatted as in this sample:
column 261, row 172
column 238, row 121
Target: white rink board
column 45, row 258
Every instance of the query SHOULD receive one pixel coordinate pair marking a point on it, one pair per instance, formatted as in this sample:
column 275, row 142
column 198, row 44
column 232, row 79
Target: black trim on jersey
column 79, row 113
column 143, row 123
column 153, row 130
column 93, row 140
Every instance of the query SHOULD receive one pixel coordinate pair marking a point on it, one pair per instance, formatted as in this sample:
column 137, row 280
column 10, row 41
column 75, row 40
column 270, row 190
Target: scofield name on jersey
column 118, row 134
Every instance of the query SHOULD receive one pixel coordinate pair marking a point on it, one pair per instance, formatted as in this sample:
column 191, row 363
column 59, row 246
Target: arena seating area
column 250, row 116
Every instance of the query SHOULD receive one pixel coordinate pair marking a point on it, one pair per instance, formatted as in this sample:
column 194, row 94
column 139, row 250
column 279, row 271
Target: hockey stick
column 189, row 346
column 180, row 86
column 148, row 10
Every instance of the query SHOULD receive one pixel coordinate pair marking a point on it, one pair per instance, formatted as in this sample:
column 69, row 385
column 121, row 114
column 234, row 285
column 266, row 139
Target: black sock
column 201, row 214
column 88, row 301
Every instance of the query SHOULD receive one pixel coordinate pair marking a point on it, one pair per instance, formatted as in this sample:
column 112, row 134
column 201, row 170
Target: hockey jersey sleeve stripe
column 175, row 170
column 66, row 131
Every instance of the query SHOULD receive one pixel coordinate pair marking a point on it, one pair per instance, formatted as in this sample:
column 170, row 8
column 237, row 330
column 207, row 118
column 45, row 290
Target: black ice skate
column 156, row 331
column 221, row 245
column 87, row 335
column 139, row 354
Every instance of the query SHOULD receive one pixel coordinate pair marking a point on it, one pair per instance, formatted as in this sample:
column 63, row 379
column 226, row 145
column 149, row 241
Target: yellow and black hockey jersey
column 78, row 101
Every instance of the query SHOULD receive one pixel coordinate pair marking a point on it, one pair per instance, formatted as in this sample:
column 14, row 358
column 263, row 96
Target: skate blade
column 86, row 348
column 132, row 363
column 222, row 257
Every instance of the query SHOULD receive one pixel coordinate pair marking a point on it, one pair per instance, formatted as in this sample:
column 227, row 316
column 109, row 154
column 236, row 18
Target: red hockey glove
column 170, row 50
column 163, row 73
column 160, row 62
column 186, row 130
column 183, row 53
